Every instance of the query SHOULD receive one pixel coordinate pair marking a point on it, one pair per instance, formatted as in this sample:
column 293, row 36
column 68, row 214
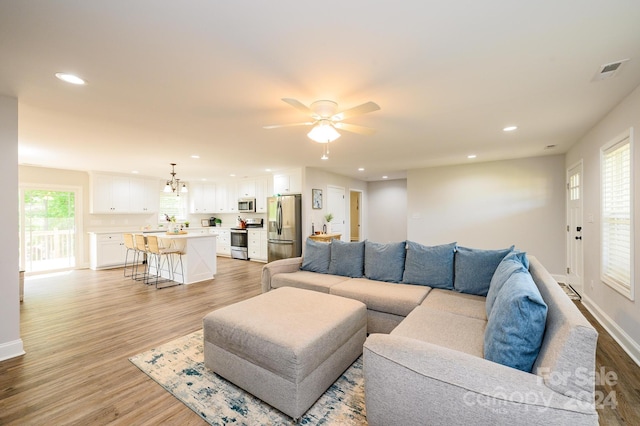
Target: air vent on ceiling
column 609, row 70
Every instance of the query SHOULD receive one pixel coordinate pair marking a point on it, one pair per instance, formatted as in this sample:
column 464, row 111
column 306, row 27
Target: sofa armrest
column 408, row 381
column 281, row 266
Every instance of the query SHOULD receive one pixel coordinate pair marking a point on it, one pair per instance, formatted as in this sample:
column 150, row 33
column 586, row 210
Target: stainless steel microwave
column 247, row 205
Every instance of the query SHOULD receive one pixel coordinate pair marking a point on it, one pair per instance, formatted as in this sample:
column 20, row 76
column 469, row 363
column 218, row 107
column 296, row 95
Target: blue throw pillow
column 516, row 261
column 384, row 262
column 431, row 266
column 347, row 259
column 474, row 269
column 516, row 325
column 317, row 256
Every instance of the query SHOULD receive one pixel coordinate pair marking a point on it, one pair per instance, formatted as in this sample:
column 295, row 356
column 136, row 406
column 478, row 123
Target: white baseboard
column 11, row 349
column 630, row 346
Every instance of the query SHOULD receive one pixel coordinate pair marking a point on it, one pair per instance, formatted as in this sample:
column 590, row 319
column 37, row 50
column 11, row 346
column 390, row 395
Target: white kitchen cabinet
column 288, row 182
column 123, row 194
column 262, row 185
column 221, row 197
column 202, row 198
column 257, row 245
column 232, row 197
column 226, row 197
column 106, row 250
column 109, row 194
column 223, row 247
column 247, row 188
column 144, row 195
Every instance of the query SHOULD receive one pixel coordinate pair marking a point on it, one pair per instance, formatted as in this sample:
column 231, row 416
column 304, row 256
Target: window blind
column 616, row 215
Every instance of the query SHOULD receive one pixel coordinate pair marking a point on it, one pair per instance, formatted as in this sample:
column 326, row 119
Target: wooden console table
column 325, row 238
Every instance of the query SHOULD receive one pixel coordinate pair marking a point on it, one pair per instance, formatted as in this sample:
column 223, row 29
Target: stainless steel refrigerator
column 284, row 227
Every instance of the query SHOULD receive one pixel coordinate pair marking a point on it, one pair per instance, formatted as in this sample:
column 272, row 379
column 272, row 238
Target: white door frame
column 79, row 234
column 360, row 196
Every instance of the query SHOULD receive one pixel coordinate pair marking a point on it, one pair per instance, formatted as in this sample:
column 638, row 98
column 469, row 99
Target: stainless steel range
column 240, row 238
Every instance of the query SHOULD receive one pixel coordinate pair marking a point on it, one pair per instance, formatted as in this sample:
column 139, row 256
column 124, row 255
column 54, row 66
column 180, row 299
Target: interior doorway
column 574, row 227
column 355, row 215
column 48, row 224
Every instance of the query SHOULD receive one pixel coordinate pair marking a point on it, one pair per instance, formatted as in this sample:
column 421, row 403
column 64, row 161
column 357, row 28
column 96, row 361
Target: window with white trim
column 617, row 213
column 172, row 205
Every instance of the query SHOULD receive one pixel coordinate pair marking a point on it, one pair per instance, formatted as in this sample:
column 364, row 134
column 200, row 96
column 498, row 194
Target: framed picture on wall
column 316, row 198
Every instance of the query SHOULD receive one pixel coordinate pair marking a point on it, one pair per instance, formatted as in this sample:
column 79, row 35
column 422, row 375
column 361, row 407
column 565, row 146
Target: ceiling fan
column 326, row 119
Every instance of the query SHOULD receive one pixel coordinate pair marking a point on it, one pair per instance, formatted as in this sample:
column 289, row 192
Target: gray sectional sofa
column 436, row 352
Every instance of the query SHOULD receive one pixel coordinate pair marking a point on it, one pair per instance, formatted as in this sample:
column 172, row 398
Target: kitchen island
column 198, row 256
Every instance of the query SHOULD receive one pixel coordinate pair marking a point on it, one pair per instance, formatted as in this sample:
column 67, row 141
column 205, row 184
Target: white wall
column 387, row 210
column 618, row 314
column 320, row 179
column 10, row 341
column 492, row 205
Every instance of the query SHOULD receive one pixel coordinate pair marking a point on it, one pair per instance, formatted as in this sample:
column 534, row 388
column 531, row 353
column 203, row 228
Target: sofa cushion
column 474, row 269
column 435, row 326
column 432, row 266
column 347, row 259
column 515, row 261
column 468, row 305
column 317, row 256
column 307, row 280
column 384, row 262
column 397, row 299
column 516, row 324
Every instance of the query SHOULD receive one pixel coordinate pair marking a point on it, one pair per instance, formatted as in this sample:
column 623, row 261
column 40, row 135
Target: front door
column 574, row 227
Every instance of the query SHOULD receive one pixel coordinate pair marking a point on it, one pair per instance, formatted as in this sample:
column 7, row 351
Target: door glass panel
column 48, row 230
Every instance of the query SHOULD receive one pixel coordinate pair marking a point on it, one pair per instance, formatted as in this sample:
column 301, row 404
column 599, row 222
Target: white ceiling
column 168, row 79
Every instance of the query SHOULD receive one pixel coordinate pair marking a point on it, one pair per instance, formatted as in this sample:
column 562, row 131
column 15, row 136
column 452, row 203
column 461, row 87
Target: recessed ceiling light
column 267, row 170
column 510, row 128
column 385, row 177
column 471, row 157
column 70, row 78
column 195, row 156
column 232, row 175
column 135, row 172
column 361, row 169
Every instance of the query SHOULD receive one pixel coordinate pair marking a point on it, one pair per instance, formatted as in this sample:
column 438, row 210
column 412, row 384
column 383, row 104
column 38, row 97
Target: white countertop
column 157, row 230
column 185, row 236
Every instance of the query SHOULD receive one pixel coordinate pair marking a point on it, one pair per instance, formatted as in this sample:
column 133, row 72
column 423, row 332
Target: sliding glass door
column 47, row 229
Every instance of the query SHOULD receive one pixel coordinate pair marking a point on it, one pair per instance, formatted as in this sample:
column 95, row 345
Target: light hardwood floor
column 80, row 328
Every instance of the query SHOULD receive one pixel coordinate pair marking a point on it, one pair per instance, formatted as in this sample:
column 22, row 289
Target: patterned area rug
column 178, row 366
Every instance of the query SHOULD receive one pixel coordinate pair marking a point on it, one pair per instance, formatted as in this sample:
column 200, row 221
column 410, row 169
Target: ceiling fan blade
column 359, row 110
column 355, row 129
column 276, row 126
column 298, row 105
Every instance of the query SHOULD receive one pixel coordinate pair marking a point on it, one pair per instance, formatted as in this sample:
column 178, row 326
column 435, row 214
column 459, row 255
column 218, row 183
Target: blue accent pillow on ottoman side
column 516, row 261
column 516, row 325
column 317, row 256
column 384, row 262
column 474, row 269
column 347, row 259
column 431, row 266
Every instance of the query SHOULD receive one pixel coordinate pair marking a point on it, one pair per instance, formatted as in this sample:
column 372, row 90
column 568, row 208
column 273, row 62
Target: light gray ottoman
column 286, row 346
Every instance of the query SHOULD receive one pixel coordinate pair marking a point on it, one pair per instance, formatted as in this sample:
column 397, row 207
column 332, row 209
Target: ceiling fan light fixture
column 323, row 132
